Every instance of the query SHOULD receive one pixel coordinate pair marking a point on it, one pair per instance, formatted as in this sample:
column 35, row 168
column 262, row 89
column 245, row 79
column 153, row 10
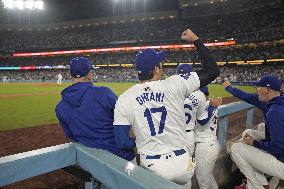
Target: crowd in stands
column 118, row 74
column 34, row 75
column 220, row 54
column 224, row 6
column 250, row 25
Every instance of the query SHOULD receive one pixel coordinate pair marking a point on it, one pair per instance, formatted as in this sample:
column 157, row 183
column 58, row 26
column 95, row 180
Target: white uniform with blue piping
column 206, row 152
column 155, row 110
column 195, row 108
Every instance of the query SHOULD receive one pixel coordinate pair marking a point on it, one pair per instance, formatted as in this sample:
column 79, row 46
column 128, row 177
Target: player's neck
column 79, row 80
column 153, row 79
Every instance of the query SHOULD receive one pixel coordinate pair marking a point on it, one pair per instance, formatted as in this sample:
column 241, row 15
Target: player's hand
column 215, row 102
column 189, row 36
column 226, row 84
column 248, row 139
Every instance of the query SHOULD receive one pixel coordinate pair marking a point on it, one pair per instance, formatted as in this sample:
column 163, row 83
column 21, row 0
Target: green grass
column 34, row 110
column 219, row 91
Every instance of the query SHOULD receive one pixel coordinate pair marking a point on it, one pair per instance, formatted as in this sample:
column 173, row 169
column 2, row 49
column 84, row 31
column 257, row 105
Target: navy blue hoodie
column 275, row 123
column 273, row 113
column 86, row 116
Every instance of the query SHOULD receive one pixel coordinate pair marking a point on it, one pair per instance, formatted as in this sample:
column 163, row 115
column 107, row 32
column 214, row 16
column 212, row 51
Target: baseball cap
column 269, row 81
column 184, row 69
column 146, row 60
column 204, row 90
column 80, row 67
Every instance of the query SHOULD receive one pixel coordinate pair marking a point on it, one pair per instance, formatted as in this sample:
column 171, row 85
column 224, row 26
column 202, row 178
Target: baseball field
column 32, row 104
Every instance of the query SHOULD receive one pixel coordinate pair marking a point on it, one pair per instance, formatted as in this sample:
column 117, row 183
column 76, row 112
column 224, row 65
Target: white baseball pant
column 178, row 169
column 253, row 163
column 190, row 141
column 206, row 155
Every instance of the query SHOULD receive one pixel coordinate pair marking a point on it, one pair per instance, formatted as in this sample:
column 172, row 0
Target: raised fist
column 188, row 36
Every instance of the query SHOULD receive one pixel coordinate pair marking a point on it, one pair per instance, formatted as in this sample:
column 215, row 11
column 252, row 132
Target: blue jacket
column 86, row 116
column 275, row 123
column 273, row 113
column 253, row 100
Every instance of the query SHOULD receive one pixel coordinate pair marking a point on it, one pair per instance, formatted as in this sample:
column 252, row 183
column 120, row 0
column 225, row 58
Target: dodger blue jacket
column 253, row 100
column 273, row 113
column 275, row 123
column 86, row 116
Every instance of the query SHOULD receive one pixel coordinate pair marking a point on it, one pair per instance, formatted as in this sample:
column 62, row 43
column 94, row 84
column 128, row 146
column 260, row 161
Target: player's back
column 207, row 132
column 156, row 112
column 194, row 106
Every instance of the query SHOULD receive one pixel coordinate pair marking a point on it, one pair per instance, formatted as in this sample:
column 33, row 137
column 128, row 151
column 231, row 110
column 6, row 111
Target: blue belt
column 176, row 152
column 188, row 131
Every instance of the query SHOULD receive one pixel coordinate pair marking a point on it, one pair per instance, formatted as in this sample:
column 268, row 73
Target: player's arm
column 209, row 71
column 122, row 128
column 122, row 138
column 63, row 124
column 214, row 104
column 111, row 98
column 275, row 144
column 204, row 120
column 247, row 97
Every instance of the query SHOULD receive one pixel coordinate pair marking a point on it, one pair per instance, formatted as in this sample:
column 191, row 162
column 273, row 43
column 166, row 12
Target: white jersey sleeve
column 120, row 114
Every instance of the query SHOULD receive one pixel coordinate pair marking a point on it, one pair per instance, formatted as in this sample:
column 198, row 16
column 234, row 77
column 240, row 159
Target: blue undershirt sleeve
column 122, row 138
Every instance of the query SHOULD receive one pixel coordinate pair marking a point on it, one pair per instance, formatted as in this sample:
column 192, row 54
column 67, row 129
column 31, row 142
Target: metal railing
column 223, row 114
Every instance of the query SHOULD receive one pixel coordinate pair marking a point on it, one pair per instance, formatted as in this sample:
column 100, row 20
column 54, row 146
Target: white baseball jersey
column 59, row 76
column 155, row 110
column 207, row 132
column 195, row 108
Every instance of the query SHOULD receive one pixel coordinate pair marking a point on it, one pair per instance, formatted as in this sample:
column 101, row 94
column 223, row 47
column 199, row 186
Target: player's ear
column 156, row 69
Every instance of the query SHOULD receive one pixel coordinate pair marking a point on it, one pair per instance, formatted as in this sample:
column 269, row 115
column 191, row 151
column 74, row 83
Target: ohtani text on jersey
column 145, row 97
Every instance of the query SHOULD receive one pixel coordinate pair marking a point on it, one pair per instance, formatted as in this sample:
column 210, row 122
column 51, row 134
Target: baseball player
column 5, row 79
column 59, row 79
column 195, row 108
column 262, row 131
column 207, row 145
column 155, row 108
column 255, row 156
column 85, row 111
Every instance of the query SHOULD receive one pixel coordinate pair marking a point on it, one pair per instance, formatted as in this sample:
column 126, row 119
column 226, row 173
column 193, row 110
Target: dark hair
column 206, row 94
column 144, row 77
column 147, row 76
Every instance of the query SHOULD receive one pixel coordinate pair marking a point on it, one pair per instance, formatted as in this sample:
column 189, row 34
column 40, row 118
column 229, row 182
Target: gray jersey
column 155, row 110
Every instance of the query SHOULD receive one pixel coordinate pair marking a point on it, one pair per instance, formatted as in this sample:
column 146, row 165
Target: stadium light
column 39, row 5
column 19, row 4
column 23, row 4
column 8, row 4
column 29, row 5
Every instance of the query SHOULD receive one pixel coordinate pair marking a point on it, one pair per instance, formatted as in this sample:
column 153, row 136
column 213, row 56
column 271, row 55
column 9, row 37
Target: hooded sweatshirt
column 86, row 116
column 275, row 123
